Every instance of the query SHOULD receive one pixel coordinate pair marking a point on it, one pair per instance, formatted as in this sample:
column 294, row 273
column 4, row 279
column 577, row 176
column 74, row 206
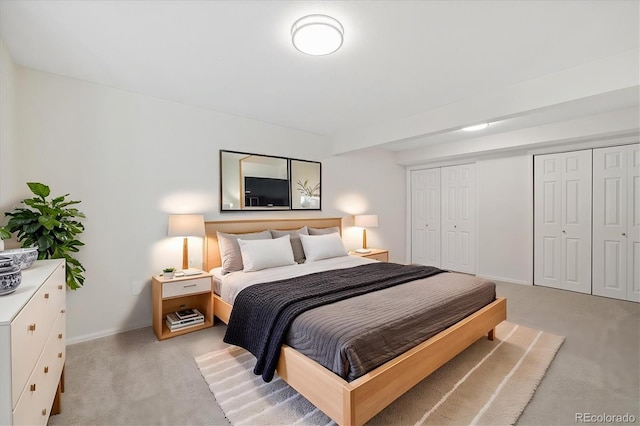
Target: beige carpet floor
column 489, row 383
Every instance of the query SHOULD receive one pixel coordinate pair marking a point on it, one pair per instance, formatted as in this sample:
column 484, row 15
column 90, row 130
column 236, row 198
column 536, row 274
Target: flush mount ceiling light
column 317, row 35
column 476, row 127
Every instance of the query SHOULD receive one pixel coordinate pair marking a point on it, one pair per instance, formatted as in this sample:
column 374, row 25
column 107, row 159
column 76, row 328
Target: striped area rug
column 490, row 383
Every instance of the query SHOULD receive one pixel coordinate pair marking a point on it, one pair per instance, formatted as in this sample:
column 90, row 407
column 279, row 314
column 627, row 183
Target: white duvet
column 228, row 286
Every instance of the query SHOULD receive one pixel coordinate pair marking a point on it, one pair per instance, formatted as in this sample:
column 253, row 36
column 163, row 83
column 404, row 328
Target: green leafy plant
column 169, row 270
column 52, row 226
column 305, row 189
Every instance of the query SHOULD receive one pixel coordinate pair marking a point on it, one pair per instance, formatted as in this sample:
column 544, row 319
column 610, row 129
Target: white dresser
column 32, row 345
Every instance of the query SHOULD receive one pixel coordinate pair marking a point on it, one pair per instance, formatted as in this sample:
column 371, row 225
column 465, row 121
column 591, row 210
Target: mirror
column 253, row 182
column 305, row 185
column 263, row 182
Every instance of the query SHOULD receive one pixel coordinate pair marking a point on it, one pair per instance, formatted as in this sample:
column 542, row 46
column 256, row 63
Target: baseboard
column 506, row 280
column 104, row 333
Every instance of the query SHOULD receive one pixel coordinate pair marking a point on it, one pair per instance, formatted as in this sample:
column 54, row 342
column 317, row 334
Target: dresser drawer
column 34, row 405
column 31, row 327
column 55, row 291
column 185, row 287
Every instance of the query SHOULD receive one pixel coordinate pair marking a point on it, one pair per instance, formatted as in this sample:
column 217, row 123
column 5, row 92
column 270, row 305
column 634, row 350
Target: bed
column 356, row 401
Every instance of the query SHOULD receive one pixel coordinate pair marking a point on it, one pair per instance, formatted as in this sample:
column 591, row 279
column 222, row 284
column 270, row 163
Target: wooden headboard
column 212, row 250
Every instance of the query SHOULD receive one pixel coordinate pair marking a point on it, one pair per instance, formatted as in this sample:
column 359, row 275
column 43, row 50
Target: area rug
column 490, row 383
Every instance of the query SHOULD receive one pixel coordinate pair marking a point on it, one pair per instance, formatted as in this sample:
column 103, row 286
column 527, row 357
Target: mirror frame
column 304, row 170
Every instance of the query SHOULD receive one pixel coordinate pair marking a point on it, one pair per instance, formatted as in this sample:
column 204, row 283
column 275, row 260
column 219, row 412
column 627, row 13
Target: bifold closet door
column 425, row 217
column 458, row 218
column 562, row 220
column 616, row 222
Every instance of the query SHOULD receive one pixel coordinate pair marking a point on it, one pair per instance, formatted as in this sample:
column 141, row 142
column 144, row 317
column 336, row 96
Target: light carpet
column 489, row 383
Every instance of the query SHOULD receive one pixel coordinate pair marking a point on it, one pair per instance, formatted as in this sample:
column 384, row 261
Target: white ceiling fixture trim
column 317, row 35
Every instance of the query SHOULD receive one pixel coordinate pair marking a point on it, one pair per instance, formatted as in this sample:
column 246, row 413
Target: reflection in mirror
column 253, row 182
column 305, row 185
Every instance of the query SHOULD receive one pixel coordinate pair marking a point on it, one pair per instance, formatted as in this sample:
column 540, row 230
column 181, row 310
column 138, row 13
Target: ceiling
column 399, row 58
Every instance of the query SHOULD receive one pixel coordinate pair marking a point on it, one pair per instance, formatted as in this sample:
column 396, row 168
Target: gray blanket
column 354, row 336
column 262, row 313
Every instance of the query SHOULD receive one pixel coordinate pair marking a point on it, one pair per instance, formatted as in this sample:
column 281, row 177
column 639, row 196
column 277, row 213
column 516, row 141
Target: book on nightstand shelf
column 187, row 313
column 175, row 322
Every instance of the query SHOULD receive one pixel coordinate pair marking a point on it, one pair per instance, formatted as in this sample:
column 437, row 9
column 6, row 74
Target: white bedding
column 228, row 286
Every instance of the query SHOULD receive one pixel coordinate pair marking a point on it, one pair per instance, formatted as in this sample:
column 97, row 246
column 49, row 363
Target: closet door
column 458, row 218
column 425, row 217
column 562, row 220
column 610, row 222
column 616, row 193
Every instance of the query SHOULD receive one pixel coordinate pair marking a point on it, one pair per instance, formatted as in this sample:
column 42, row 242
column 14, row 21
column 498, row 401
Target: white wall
column 133, row 159
column 368, row 182
column 505, row 218
column 8, row 123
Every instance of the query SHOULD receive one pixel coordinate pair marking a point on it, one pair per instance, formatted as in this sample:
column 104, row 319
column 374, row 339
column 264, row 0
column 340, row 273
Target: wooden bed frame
column 353, row 403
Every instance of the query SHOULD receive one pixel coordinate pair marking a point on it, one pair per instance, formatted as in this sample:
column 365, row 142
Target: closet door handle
column 624, row 234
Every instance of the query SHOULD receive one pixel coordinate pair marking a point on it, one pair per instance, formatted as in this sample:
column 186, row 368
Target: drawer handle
column 189, row 285
column 32, row 327
column 59, row 286
column 62, row 311
column 32, row 388
column 46, row 369
column 59, row 354
column 44, row 411
column 46, row 295
column 60, row 336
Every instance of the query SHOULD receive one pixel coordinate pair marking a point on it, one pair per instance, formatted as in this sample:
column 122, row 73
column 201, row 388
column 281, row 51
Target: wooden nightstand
column 170, row 295
column 377, row 254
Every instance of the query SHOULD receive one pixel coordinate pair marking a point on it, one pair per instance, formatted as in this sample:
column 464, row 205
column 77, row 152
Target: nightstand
column 171, row 295
column 377, row 254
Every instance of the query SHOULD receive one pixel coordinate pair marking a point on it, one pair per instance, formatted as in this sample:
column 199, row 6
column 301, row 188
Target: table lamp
column 186, row 225
column 365, row 221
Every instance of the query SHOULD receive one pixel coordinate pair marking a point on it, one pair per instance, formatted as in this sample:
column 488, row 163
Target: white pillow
column 263, row 254
column 318, row 247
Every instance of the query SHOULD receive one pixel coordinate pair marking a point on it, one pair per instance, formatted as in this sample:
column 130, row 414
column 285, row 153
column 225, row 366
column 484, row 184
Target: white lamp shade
column 186, row 225
column 366, row 220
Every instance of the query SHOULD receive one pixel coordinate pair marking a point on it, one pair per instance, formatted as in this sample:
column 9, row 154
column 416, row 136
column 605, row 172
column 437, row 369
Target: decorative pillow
column 230, row 250
column 296, row 245
column 263, row 254
column 324, row 231
column 318, row 247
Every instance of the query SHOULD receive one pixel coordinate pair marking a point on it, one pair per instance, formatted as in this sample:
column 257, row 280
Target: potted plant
column 51, row 225
column 168, row 273
column 307, row 191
